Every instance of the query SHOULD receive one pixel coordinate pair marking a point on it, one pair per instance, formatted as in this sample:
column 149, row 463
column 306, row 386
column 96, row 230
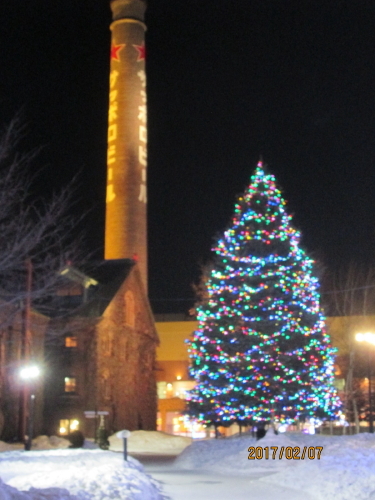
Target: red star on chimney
column 115, row 49
column 141, row 51
column 135, row 257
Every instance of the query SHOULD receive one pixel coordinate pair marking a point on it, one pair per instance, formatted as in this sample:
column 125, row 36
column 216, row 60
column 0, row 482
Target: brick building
column 101, row 356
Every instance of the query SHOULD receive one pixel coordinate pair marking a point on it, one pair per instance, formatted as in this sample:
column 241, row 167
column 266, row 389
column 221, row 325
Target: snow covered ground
column 206, row 470
column 345, row 470
column 196, row 484
column 74, row 475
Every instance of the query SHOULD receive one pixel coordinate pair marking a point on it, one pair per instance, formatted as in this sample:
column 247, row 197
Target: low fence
column 338, row 430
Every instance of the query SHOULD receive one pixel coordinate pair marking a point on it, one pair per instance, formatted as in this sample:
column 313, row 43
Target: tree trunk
column 349, row 394
column 356, row 418
column 216, row 432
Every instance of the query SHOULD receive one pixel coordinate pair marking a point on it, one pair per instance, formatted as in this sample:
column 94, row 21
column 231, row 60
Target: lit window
column 64, row 426
column 70, row 384
column 74, row 425
column 162, row 389
column 71, row 342
column 67, row 426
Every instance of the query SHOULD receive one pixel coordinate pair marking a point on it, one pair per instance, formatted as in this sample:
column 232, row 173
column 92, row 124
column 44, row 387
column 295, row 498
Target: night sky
column 227, row 81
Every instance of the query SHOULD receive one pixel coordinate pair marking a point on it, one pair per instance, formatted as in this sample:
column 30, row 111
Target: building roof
column 100, row 282
column 110, row 275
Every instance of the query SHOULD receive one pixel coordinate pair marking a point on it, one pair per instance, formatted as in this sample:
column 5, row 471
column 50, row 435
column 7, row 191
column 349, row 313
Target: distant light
column 29, row 372
column 74, row 425
column 366, row 337
column 62, row 430
column 178, row 377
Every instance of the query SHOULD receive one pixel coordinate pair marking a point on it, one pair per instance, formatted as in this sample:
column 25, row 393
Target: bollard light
column 124, row 436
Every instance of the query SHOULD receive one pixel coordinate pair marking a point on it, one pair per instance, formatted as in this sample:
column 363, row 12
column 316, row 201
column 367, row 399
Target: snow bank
column 10, row 447
column 151, row 442
column 49, row 443
column 39, row 443
column 74, row 474
column 9, row 493
column 345, row 471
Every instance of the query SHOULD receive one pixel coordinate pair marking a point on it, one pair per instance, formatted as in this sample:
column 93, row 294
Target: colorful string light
column 261, row 350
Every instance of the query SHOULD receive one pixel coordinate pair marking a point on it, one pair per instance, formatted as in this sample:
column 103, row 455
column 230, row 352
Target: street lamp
column 370, row 339
column 28, row 374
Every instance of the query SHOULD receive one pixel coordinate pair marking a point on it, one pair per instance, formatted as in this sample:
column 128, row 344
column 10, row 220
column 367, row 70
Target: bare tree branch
column 39, row 230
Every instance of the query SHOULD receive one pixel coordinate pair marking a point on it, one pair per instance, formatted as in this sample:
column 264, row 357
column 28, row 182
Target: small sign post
column 124, row 436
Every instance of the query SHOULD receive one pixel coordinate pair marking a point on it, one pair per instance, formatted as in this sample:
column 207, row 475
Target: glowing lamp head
column 29, row 372
column 366, row 337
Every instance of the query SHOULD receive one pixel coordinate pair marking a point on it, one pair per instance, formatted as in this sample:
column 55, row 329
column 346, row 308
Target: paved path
column 205, row 485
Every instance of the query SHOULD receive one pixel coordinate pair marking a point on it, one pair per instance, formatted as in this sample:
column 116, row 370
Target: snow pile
column 346, row 469
column 39, row 443
column 11, row 447
column 10, row 493
column 230, row 455
column 85, row 474
column 49, row 443
column 150, row 442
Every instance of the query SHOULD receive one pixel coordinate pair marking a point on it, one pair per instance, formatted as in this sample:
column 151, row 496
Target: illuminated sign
column 142, row 148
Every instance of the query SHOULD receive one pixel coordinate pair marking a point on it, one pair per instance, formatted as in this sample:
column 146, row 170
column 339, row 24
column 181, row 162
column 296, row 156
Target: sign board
column 94, row 414
column 90, row 414
column 123, row 434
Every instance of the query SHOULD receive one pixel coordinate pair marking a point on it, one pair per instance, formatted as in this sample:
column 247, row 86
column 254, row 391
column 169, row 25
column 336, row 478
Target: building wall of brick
column 114, row 365
column 126, row 349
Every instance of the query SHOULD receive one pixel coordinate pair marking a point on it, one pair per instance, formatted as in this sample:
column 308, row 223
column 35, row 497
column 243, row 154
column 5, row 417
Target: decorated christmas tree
column 261, row 351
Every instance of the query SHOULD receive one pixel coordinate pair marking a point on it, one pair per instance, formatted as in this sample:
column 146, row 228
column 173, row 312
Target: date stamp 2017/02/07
column 288, row 452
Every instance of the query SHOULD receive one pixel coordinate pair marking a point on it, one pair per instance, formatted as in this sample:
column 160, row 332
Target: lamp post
column 28, row 374
column 370, row 339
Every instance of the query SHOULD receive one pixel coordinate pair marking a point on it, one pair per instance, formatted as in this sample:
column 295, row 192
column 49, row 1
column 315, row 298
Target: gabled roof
column 108, row 271
column 100, row 281
column 110, row 275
